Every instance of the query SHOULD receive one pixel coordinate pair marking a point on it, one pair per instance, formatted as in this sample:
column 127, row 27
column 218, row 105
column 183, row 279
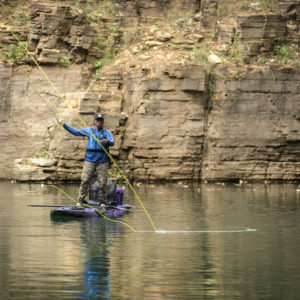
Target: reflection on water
column 96, row 265
column 213, row 242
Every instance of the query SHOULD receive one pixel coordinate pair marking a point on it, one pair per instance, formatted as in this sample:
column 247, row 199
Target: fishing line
column 110, row 157
column 49, row 104
column 37, row 64
column 200, row 231
column 86, row 205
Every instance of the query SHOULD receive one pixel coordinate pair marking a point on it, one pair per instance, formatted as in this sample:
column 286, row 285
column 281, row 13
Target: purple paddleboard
column 74, row 211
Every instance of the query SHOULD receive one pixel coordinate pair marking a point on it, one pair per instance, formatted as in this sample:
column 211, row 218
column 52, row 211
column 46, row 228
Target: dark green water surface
column 213, row 242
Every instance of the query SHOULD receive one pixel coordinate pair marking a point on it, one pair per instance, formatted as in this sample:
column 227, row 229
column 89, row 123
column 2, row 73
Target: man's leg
column 86, row 176
column 102, row 170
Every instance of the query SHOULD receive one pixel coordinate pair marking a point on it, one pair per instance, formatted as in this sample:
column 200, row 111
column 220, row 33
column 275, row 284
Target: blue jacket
column 94, row 152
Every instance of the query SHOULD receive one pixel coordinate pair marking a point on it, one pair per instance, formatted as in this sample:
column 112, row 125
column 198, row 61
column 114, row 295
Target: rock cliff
column 193, row 89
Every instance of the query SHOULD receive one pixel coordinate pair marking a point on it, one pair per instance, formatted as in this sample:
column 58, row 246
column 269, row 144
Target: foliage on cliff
column 106, row 32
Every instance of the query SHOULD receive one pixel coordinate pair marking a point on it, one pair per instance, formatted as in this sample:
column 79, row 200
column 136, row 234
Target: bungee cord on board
column 93, row 136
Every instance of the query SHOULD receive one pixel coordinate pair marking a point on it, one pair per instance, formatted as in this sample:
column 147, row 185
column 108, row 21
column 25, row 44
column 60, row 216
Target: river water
column 212, row 242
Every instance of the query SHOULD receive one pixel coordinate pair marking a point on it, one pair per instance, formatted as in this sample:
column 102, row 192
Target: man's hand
column 105, row 141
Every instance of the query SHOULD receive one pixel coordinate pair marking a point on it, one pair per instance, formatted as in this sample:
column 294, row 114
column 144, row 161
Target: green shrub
column 96, row 74
column 92, row 13
column 97, row 64
column 287, row 54
column 236, row 52
column 296, row 47
column 236, row 74
column 262, row 60
column 108, row 56
column 214, row 36
column 15, row 52
column 21, row 19
column 43, row 154
column 92, row 16
column 65, row 61
column 108, row 9
column 283, row 52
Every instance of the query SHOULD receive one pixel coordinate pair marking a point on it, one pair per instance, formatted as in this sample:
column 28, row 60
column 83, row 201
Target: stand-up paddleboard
column 88, row 212
column 117, row 209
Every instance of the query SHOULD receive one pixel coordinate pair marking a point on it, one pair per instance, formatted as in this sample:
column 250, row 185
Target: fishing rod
column 46, row 205
column 64, row 205
column 121, row 208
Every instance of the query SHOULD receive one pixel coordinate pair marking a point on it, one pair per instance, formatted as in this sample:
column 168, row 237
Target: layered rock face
column 27, row 125
column 253, row 129
column 164, row 136
column 172, row 119
column 170, row 127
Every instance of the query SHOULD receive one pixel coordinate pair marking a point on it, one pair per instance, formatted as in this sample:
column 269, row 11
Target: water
column 212, row 242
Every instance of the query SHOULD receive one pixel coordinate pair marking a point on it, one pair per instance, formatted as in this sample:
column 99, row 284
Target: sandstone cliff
column 191, row 89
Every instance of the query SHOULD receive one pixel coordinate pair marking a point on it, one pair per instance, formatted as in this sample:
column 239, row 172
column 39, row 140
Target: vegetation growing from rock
column 65, row 61
column 15, row 13
column 16, row 53
column 43, row 154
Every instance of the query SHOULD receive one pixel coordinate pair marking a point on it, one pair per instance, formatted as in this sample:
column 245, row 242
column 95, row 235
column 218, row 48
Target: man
column 96, row 160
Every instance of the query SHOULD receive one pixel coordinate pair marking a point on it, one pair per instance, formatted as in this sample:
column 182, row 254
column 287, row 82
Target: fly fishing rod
column 46, row 205
column 64, row 205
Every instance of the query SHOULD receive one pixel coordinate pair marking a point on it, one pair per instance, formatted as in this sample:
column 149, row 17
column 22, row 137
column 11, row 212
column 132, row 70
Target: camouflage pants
column 89, row 169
